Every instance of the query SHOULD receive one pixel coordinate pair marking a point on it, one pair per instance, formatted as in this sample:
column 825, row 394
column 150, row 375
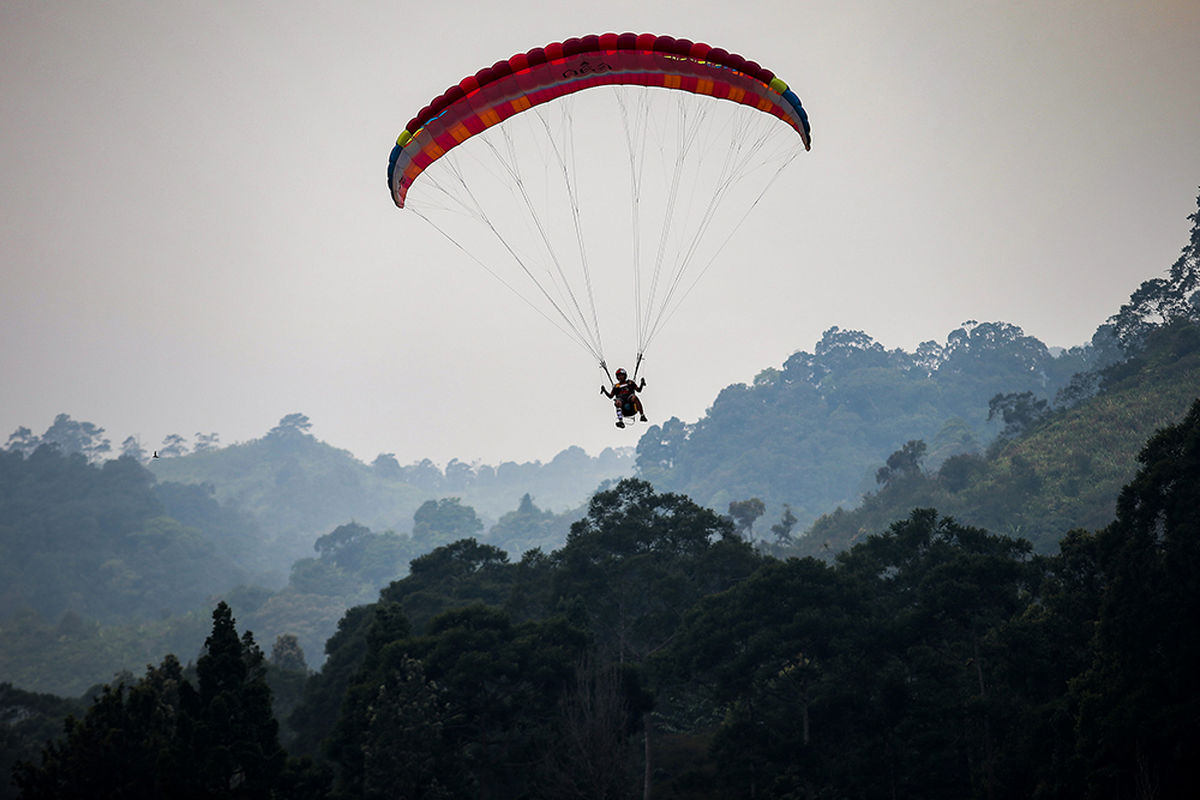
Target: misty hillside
column 999, row 614
column 658, row 648
column 809, row 435
column 299, row 488
column 94, row 602
column 1052, row 470
column 992, row 426
column 812, row 433
column 107, row 565
column 93, row 540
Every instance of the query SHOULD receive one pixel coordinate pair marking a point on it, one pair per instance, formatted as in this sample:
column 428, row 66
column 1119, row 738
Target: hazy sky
column 196, row 233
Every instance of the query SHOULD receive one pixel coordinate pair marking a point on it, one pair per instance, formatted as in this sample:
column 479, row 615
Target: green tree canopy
column 161, row 736
column 439, row 522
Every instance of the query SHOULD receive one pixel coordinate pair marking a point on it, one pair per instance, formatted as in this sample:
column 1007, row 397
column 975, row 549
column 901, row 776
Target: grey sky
column 196, row 233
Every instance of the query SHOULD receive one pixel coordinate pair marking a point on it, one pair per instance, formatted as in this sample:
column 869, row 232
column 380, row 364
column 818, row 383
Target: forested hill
column 299, row 488
column 1060, row 466
column 1051, row 470
column 657, row 653
column 813, row 433
column 832, row 426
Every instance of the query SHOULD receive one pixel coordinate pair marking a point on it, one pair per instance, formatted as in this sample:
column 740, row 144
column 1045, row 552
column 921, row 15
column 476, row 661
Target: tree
column 424, row 475
column 842, row 350
column 402, row 743
column 23, row 441
column 659, row 447
column 314, row 719
column 319, row 576
column 295, row 424
column 783, row 528
column 71, row 436
column 386, row 466
column 592, row 755
column 206, row 441
column 1021, row 412
column 231, row 731
column 744, row 513
column 1137, row 699
column 903, row 463
column 287, row 653
column 132, row 448
column 125, row 746
column 1000, row 350
column 339, row 540
column 30, row 721
column 443, row 521
column 1161, row 301
column 938, row 589
column 464, row 710
column 635, row 564
column 640, row 559
column 173, row 446
column 97, row 539
column 456, row 561
column 958, row 471
column 458, row 475
column 529, row 527
column 162, row 737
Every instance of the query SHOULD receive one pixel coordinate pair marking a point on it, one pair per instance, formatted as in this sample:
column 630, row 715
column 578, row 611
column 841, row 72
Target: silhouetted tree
column 162, row 737
column 744, row 513
column 439, row 522
column 126, row 745
column 1021, row 412
column 287, row 653
column 232, row 736
column 340, row 539
column 295, row 424
column 783, row 528
column 386, row 466
column 1161, row 301
column 71, row 436
column 592, row 756
column 132, row 448
column 206, row 441
column 23, row 441
column 903, row 463
column 1138, row 702
column 173, row 445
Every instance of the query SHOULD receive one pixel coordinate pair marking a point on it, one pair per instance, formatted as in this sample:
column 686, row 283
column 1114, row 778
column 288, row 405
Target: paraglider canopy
column 542, row 74
column 503, row 167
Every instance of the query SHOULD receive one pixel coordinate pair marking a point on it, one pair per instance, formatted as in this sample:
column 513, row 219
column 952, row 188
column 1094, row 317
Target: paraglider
column 525, row 167
column 624, row 395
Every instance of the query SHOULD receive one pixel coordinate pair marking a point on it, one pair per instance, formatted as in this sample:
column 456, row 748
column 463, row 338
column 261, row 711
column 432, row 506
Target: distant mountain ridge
column 813, row 433
column 820, row 433
column 1064, row 472
column 992, row 427
column 299, row 488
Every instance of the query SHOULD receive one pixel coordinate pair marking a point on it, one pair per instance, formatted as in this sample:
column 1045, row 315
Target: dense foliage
column 1059, row 470
column 813, row 433
column 650, row 648
column 64, row 628
column 297, row 488
column 74, row 536
column 934, row 660
column 163, row 736
column 27, row 720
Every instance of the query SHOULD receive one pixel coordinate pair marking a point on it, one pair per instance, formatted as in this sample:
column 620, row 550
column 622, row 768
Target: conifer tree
column 162, row 737
column 232, row 733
